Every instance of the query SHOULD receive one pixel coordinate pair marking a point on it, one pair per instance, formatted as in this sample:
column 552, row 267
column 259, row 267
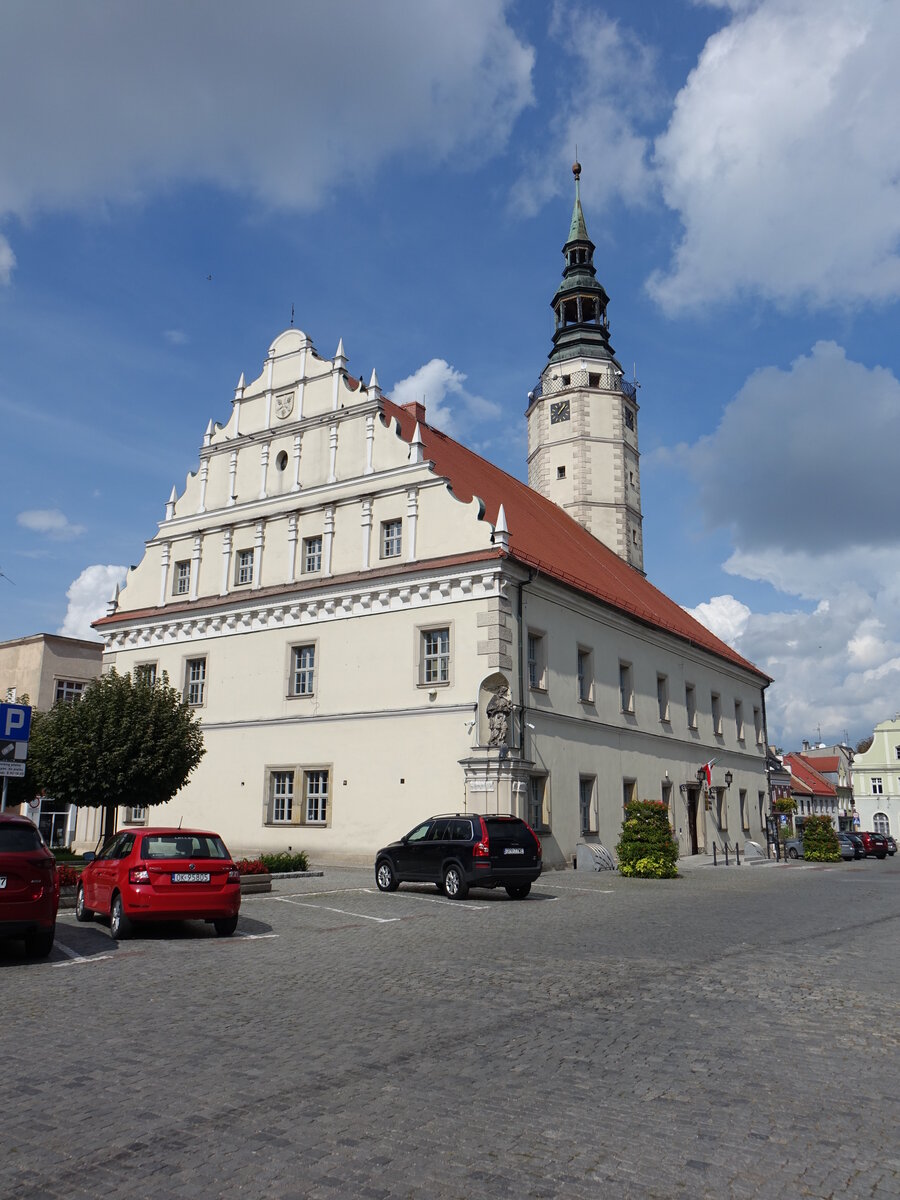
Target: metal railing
column 607, row 378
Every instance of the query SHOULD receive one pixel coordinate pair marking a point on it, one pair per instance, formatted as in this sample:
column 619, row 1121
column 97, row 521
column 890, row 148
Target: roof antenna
column 3, row 575
column 292, row 316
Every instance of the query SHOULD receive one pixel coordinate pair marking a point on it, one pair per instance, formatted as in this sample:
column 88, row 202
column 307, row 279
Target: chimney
column 415, row 409
column 805, row 746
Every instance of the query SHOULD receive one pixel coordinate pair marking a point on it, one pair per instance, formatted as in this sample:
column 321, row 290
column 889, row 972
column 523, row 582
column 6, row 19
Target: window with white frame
column 243, row 567
column 586, row 786
column 69, row 690
column 716, row 702
column 626, row 687
column 303, row 670
column 537, row 660
column 898, row 751
column 391, row 538
column 312, row 554
column 881, row 824
column 195, row 682
column 136, row 816
column 757, row 725
column 315, row 785
column 662, row 696
column 435, row 656
column 690, row 705
column 281, row 796
column 739, row 720
column 181, row 581
column 145, row 673
column 585, row 675
column 745, row 811
column 721, row 808
column 877, row 785
column 536, row 789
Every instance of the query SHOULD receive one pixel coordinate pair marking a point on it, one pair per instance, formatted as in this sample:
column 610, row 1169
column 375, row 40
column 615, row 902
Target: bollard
column 737, row 853
column 715, row 864
column 726, row 854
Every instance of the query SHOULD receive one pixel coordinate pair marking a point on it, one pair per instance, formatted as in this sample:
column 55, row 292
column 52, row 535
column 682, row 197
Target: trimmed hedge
column 286, row 861
column 820, row 843
column 647, row 848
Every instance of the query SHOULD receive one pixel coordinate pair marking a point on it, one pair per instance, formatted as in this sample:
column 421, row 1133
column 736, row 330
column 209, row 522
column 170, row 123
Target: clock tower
column 582, row 416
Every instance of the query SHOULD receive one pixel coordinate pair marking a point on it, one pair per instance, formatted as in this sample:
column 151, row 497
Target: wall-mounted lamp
column 728, row 779
column 528, row 725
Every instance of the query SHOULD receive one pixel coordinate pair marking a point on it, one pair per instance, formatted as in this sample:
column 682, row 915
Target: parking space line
column 433, row 900
column 251, row 937
column 596, row 891
column 78, row 959
column 343, row 911
column 329, row 892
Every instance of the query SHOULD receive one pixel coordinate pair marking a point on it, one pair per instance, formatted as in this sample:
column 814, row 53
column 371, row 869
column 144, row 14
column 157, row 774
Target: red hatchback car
column 29, row 886
column 161, row 875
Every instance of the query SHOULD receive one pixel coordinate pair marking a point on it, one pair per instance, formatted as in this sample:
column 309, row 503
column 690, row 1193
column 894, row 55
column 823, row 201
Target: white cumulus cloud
column 49, row 521
column 782, row 161
column 88, row 596
column 724, row 616
column 441, row 389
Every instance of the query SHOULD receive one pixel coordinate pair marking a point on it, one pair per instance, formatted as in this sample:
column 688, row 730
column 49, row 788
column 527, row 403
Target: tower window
column 560, row 472
column 593, row 379
column 629, row 417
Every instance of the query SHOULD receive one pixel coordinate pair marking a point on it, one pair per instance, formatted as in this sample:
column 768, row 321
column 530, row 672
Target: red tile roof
column 543, row 536
column 804, row 772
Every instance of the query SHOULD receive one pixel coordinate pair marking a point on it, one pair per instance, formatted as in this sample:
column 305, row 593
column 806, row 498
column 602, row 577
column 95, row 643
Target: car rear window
column 183, row 845
column 509, row 828
column 17, row 838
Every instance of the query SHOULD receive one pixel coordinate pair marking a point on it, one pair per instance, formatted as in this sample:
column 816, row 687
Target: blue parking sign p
column 15, row 722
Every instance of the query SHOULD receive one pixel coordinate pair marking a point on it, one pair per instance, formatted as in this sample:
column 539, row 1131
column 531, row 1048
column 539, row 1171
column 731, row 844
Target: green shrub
column 286, row 861
column 820, row 843
column 647, row 849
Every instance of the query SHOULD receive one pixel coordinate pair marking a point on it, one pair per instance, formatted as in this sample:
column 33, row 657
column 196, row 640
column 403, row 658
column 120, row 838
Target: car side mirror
column 88, row 856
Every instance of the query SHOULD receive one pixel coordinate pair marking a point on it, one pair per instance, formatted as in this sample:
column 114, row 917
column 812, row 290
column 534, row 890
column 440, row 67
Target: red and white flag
column 706, row 770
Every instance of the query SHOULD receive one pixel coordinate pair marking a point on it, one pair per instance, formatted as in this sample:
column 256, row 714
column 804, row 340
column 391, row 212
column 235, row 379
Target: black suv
column 463, row 850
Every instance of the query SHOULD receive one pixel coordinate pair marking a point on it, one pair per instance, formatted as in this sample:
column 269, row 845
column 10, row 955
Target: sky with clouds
column 178, row 178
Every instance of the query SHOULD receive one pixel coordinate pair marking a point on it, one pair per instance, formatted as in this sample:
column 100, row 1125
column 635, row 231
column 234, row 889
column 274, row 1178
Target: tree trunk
column 110, row 813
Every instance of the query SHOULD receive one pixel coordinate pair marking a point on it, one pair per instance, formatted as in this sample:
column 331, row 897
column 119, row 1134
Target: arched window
column 880, row 824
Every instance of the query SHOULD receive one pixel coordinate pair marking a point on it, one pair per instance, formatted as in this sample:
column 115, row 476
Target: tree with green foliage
column 125, row 742
column 820, row 843
column 647, row 848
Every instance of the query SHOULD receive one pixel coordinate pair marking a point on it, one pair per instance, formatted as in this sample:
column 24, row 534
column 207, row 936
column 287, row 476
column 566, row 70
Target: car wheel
column 881, row 855
column 455, row 886
column 225, row 926
column 119, row 924
column 384, row 876
column 793, row 852
column 518, row 891
column 39, row 945
column 82, row 913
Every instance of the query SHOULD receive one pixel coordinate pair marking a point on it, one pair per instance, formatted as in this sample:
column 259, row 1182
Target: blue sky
column 178, row 176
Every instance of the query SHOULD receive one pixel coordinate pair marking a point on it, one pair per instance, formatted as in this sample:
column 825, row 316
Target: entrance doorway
column 693, row 805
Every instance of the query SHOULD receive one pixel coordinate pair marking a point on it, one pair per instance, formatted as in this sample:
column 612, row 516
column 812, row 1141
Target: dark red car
column 161, row 875
column 29, row 886
column 875, row 845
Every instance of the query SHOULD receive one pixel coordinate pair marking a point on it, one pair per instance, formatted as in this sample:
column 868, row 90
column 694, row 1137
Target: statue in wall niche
column 499, row 708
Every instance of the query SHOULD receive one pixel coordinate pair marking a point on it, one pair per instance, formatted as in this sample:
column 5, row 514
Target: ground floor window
column 316, row 797
column 881, row 824
column 586, row 786
column 297, row 796
column 745, row 812
column 282, row 796
column 536, row 789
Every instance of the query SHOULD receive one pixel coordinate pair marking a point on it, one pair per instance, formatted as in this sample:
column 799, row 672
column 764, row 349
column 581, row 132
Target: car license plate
column 2, row 881
column 513, row 850
column 190, row 877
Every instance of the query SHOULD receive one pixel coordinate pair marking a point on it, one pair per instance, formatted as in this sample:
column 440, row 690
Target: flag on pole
column 706, row 770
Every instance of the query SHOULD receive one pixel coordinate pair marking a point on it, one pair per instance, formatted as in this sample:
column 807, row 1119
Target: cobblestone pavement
column 732, row 1034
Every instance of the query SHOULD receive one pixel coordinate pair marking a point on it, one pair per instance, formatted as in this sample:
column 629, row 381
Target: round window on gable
column 282, row 460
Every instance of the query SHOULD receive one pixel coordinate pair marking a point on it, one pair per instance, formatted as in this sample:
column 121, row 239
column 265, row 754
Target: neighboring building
column 836, row 764
column 876, row 781
column 376, row 624
column 40, row 670
column 813, row 794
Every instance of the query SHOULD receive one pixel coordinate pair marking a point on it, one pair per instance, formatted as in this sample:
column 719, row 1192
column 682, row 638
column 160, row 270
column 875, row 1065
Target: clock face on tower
column 560, row 410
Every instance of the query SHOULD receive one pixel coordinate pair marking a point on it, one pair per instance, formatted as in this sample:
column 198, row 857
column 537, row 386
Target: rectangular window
column 757, row 725
column 312, row 554
column 536, row 785
column 585, row 672
column 69, row 690
column 435, row 660
column 629, row 791
column 145, row 673
column 391, row 538
column 721, row 808
column 761, row 804
column 690, row 704
column 195, row 681
column 281, row 784
column 745, row 811
column 739, row 720
column 181, row 583
column 717, row 713
column 303, row 675
column 877, row 786
column 626, row 687
column 537, row 661
column 244, row 567
column 136, row 816
column 586, row 803
column 316, row 785
column 662, row 696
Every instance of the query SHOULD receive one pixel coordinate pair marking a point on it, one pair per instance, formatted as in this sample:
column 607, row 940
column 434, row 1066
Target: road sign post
column 15, row 730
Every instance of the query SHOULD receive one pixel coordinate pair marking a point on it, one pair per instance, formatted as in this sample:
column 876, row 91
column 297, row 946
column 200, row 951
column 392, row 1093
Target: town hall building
column 374, row 624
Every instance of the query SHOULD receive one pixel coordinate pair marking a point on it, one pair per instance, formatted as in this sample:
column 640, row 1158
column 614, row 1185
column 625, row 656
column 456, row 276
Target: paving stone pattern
column 732, row 1034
